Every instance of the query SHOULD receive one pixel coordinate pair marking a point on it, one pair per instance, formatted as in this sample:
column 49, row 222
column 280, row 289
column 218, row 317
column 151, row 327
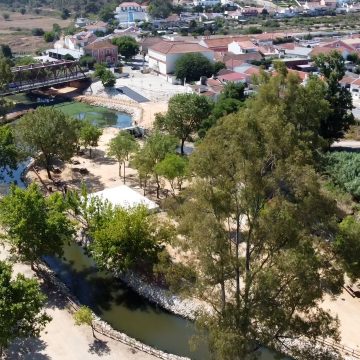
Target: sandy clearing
column 62, row 339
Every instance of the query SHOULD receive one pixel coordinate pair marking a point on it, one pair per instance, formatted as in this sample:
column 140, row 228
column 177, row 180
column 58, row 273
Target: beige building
column 164, row 54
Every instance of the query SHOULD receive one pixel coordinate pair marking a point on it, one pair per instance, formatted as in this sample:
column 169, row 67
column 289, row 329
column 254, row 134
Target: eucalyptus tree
column 259, row 227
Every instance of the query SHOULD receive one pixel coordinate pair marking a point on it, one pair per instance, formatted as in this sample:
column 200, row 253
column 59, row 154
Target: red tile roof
column 234, row 76
column 224, row 41
column 100, row 45
column 175, row 47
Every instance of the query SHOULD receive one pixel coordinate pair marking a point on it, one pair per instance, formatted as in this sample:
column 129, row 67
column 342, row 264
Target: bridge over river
column 37, row 76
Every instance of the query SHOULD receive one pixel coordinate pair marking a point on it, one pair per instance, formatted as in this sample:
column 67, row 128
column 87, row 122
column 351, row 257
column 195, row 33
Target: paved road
column 351, row 145
column 132, row 94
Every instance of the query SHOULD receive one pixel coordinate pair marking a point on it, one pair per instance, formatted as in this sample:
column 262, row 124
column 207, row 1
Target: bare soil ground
column 30, row 21
column 15, row 32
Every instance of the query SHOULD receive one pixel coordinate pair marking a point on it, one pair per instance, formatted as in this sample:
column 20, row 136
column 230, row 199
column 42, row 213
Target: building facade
column 128, row 13
column 103, row 52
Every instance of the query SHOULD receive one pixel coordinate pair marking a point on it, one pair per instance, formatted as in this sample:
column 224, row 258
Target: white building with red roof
column 242, row 47
column 164, row 54
column 128, row 13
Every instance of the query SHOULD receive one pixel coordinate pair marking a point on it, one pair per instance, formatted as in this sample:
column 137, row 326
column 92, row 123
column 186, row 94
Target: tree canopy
column 184, row 116
column 192, row 66
column 127, row 45
column 105, row 75
column 47, row 134
column 9, row 153
column 34, row 225
column 89, row 135
column 120, row 147
column 174, row 169
column 259, row 227
column 155, row 149
column 339, row 119
column 21, row 305
column 128, row 239
column 160, row 9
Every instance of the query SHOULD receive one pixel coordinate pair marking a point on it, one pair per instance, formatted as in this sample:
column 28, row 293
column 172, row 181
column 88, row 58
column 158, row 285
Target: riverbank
column 61, row 339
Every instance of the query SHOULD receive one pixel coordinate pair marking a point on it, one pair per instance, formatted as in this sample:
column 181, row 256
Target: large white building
column 164, row 54
column 128, row 13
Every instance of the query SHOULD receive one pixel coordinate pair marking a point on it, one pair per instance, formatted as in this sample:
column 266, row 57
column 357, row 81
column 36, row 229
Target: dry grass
column 16, row 32
column 24, row 44
column 30, row 21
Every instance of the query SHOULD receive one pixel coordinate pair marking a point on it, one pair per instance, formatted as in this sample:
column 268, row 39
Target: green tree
column 84, row 316
column 347, row 245
column 223, row 107
column 34, row 225
column 184, row 116
column 129, row 239
column 155, row 149
column 47, row 134
column 5, row 78
column 106, row 76
column 219, row 65
column 5, row 51
column 9, row 153
column 257, row 223
column 159, row 9
column 233, row 90
column 107, row 12
column 89, row 136
column 6, row 16
column 65, row 14
column 127, row 45
column 190, row 67
column 332, row 68
column 120, row 147
column 174, row 169
column 87, row 61
column 49, row 36
column 25, row 60
column 20, row 307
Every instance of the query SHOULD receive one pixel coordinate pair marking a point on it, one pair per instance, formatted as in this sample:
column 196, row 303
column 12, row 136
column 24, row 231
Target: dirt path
column 62, row 339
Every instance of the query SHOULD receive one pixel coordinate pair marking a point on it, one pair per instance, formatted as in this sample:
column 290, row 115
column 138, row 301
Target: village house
column 220, row 44
column 242, row 47
column 98, row 26
column 103, row 52
column 164, row 54
column 79, row 40
column 206, row 2
column 128, row 13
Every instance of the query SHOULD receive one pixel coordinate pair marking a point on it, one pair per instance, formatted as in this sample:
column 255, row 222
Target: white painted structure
column 128, row 13
column 163, row 55
column 206, row 2
column 242, row 47
column 125, row 197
